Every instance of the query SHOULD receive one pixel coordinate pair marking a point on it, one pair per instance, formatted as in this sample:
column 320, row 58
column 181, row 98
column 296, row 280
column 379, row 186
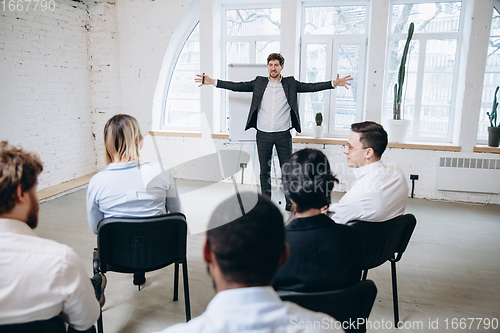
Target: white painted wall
column 45, row 90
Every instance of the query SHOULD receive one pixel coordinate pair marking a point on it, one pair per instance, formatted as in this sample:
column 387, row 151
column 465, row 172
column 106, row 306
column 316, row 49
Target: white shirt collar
column 16, row 227
column 279, row 81
column 365, row 169
column 235, row 298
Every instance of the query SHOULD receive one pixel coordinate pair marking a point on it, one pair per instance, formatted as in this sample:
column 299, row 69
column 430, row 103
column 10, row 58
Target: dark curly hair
column 276, row 56
column 308, row 179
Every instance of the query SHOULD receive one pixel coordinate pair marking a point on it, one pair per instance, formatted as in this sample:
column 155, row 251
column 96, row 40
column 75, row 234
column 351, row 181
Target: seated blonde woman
column 129, row 186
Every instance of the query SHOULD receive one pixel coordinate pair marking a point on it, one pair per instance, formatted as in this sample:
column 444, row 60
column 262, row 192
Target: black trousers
column 265, row 142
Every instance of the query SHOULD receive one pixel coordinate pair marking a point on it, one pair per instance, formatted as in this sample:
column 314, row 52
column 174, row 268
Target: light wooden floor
column 451, row 268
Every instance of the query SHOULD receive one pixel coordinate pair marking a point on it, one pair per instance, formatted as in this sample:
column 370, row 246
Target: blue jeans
column 265, row 142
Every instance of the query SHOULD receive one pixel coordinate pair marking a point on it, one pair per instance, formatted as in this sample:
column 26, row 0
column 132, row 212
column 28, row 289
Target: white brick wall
column 44, row 88
column 104, row 65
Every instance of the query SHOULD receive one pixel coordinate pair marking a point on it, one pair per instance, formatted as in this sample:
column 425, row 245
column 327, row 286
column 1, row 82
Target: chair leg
column 186, row 290
column 365, row 274
column 99, row 324
column 395, row 294
column 176, row 282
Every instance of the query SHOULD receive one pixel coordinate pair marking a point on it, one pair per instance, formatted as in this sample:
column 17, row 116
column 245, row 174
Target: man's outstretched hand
column 204, row 80
column 342, row 81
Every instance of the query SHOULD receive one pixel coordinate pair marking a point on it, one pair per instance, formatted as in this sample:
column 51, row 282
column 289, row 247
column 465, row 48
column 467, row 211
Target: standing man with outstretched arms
column 274, row 111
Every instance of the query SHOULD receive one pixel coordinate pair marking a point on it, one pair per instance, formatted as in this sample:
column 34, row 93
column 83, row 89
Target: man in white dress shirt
column 274, row 111
column 244, row 246
column 380, row 191
column 41, row 278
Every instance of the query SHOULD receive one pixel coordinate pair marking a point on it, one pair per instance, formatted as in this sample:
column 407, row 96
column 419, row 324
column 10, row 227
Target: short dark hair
column 17, row 167
column 248, row 246
column 308, row 179
column 372, row 135
column 276, row 56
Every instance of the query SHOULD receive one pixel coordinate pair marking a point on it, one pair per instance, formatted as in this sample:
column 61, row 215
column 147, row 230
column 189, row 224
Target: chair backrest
column 131, row 244
column 53, row 325
column 382, row 241
column 345, row 305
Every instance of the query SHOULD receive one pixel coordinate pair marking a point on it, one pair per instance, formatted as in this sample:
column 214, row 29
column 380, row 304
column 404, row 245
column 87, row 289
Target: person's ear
column 284, row 256
column 369, row 153
column 207, row 251
column 21, row 196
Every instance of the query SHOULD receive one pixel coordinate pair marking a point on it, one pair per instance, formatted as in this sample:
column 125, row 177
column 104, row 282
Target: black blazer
column 259, row 84
column 323, row 256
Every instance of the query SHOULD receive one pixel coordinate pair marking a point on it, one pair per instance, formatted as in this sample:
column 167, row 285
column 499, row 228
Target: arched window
column 182, row 101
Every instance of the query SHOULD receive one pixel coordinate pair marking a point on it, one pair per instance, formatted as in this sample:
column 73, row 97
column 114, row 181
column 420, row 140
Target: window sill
column 192, row 134
column 338, row 141
column 486, row 149
column 417, row 146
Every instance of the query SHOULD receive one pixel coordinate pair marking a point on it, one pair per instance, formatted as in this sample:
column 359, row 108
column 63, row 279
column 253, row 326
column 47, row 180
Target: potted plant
column 494, row 129
column 398, row 126
column 318, row 129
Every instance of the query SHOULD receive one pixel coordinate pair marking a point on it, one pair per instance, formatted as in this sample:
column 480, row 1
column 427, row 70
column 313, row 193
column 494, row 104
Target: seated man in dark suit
column 323, row 255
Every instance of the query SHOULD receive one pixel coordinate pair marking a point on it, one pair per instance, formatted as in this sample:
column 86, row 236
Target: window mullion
column 419, row 88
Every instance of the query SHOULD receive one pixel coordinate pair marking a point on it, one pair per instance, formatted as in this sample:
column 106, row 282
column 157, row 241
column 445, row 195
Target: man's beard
column 33, row 212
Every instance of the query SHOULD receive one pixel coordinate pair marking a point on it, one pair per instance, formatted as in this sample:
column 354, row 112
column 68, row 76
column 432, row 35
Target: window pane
column 251, row 22
column 495, row 23
column 428, row 17
column 237, row 53
column 437, row 87
column 335, row 20
column 264, row 49
column 346, row 99
column 315, row 72
column 491, row 76
column 182, row 104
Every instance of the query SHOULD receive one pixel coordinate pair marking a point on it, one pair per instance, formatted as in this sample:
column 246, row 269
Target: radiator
column 468, row 175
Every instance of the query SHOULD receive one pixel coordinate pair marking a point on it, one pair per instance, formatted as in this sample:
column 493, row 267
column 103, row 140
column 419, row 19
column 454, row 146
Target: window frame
column 496, row 6
column 189, row 30
column 333, row 41
column 251, row 39
column 423, row 38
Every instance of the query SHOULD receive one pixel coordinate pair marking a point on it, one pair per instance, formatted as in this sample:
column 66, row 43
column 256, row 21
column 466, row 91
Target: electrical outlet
column 413, row 177
column 243, row 165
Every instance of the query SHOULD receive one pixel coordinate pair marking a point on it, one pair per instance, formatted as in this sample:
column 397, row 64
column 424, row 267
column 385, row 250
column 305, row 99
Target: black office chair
column 382, row 241
column 53, row 325
column 345, row 305
column 129, row 245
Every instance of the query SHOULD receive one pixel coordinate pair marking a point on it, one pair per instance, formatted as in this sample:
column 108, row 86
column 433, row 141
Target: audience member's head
column 245, row 249
column 276, row 56
column 371, row 135
column 19, row 172
column 122, row 139
column 308, row 180
column 366, row 144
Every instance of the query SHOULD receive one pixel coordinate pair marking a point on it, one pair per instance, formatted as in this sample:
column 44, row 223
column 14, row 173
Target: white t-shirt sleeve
column 80, row 306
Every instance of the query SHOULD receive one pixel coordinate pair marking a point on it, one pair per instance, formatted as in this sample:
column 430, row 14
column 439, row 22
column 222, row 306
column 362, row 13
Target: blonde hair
column 122, row 137
column 17, row 167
